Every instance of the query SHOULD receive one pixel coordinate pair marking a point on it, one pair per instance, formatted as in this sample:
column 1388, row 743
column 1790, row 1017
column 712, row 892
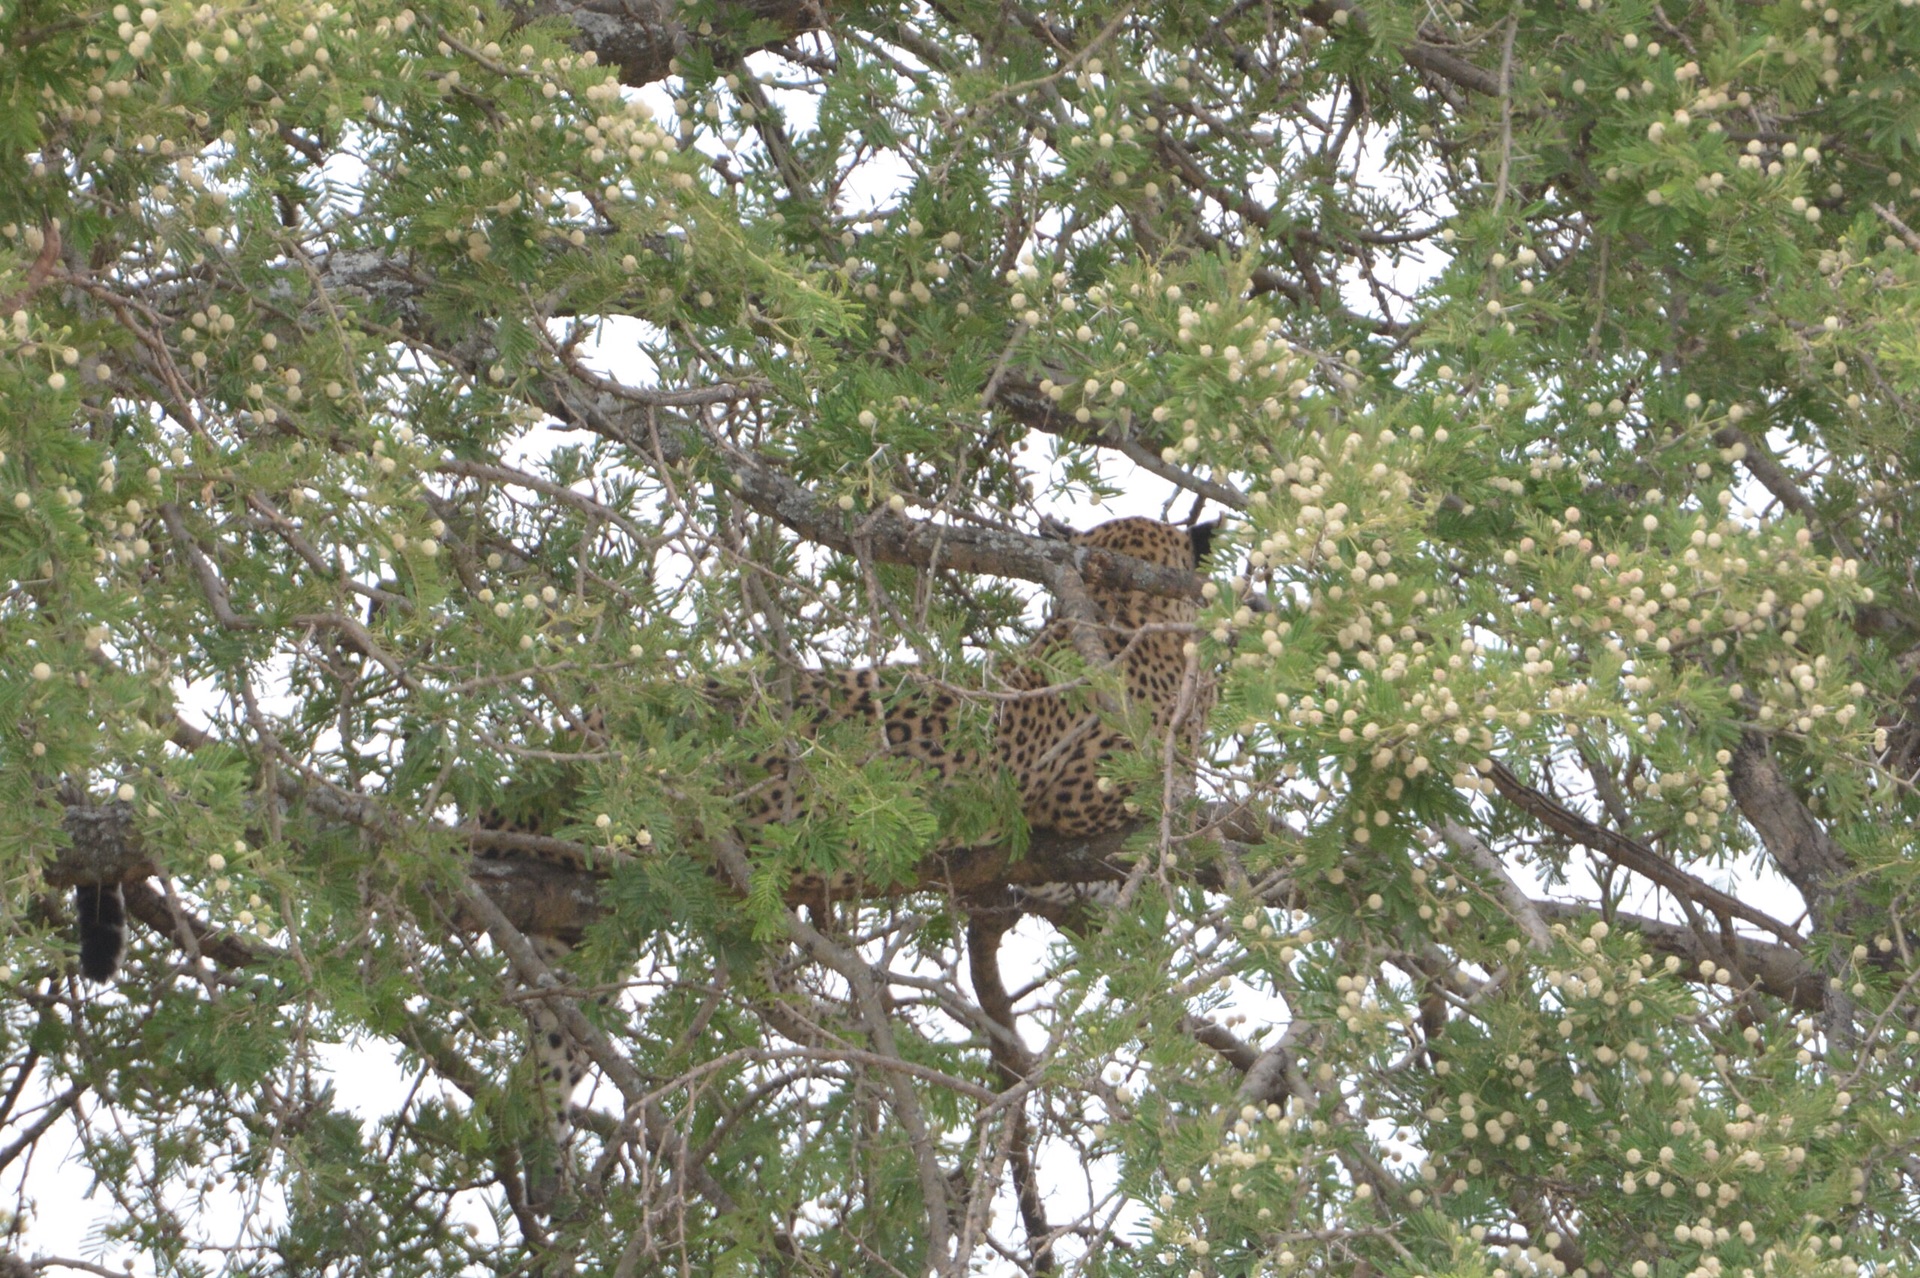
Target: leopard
column 1050, row 742
column 1047, row 738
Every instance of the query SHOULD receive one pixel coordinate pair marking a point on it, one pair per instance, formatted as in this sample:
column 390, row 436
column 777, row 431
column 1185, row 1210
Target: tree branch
column 535, row 974
column 1800, row 845
column 1779, row 970
column 642, row 37
column 1632, row 854
column 1013, row 1063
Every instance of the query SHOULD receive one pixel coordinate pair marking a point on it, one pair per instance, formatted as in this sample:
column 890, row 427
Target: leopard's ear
column 1054, row 530
column 1202, row 538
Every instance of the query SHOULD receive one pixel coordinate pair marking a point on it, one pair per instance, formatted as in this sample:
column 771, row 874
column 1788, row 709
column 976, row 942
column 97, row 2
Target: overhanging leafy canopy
column 403, row 418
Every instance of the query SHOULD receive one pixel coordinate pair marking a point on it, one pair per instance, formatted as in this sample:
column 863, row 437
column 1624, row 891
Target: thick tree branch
column 1780, row 971
column 892, row 538
column 642, row 37
column 1800, row 844
column 1801, row 847
column 1519, row 907
column 148, row 904
column 1024, row 401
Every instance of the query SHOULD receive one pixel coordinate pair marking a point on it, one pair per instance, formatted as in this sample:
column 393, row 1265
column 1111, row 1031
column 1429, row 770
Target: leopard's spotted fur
column 1053, row 743
column 1051, row 740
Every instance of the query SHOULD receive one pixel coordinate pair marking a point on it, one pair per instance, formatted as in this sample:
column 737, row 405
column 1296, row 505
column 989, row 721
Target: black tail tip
column 100, row 910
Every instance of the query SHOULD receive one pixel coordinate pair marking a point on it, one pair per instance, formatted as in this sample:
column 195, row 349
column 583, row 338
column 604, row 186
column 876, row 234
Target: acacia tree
column 410, row 422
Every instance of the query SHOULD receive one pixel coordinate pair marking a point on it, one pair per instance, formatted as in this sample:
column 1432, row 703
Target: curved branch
column 1013, row 1063
column 1632, row 854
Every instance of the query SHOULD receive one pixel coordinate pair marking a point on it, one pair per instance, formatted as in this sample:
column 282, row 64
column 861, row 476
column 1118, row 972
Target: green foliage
column 425, row 423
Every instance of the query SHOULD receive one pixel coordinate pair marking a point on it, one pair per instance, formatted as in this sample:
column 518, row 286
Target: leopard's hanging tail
column 560, row 1065
column 100, row 912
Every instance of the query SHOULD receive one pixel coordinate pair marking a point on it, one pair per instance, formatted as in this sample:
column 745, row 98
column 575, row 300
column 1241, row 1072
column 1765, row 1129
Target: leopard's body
column 1051, row 739
column 1050, row 736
